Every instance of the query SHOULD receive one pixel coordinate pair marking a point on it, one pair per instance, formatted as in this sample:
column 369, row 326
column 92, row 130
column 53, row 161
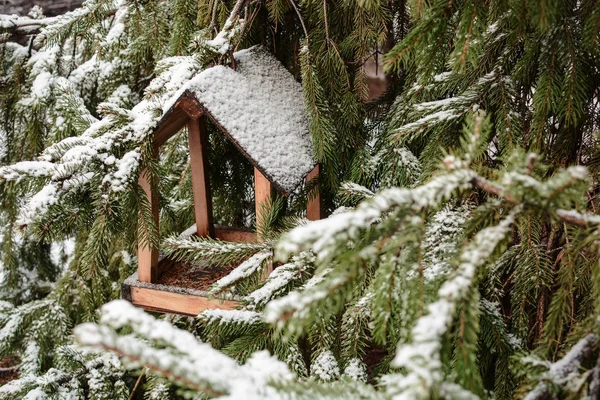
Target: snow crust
column 261, row 106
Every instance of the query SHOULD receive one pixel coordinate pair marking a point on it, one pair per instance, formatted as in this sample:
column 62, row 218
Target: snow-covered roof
column 260, row 107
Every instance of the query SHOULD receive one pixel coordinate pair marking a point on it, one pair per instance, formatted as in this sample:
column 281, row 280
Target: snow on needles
column 421, row 358
column 74, row 161
column 243, row 271
column 325, row 367
column 181, row 355
column 324, row 236
column 563, row 371
column 260, row 105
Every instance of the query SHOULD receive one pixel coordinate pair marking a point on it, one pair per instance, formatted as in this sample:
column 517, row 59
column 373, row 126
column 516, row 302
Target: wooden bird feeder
column 259, row 108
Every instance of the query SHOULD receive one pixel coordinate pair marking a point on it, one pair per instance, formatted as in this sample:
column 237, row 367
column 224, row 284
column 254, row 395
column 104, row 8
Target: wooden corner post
column 263, row 192
column 198, row 141
column 314, row 207
column 147, row 255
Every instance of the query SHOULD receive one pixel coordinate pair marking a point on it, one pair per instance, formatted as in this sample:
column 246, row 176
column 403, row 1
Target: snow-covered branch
column 179, row 356
column 564, row 369
column 325, row 236
column 422, row 358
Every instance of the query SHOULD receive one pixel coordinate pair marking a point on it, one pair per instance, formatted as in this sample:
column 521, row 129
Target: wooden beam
column 263, row 193
column 177, row 303
column 147, row 256
column 314, row 207
column 172, row 123
column 198, row 141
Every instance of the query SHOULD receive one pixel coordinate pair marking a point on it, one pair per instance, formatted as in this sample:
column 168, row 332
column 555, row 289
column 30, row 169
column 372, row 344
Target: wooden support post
column 147, row 256
column 314, row 208
column 198, row 142
column 263, row 192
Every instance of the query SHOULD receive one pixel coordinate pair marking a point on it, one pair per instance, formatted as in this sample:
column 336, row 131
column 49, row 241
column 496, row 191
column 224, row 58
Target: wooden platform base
column 171, row 299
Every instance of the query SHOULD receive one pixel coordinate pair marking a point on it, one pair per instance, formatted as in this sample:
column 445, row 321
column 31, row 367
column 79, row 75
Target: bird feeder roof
column 260, row 107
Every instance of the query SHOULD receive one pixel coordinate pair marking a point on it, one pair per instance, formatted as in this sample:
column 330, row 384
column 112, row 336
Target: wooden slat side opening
column 198, row 142
column 147, row 256
column 177, row 303
column 314, row 207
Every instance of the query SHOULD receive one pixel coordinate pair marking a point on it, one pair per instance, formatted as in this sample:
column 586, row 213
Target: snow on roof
column 260, row 107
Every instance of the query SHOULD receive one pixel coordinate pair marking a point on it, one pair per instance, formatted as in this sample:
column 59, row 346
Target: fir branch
column 421, row 358
column 182, row 358
column 207, row 250
column 560, row 371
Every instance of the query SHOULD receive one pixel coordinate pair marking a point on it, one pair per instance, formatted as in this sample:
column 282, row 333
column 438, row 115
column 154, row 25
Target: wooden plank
column 147, row 256
column 231, row 234
column 172, row 123
column 263, row 192
column 198, row 142
column 314, row 207
column 177, row 303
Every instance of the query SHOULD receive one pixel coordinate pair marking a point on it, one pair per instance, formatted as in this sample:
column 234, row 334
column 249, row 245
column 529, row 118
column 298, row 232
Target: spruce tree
column 460, row 258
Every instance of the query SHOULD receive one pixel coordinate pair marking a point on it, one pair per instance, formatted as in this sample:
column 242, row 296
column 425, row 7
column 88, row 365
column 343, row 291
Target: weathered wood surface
column 171, row 299
column 177, row 303
column 177, row 119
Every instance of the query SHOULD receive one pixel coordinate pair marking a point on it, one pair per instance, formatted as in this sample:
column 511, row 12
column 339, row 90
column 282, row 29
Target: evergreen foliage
column 460, row 258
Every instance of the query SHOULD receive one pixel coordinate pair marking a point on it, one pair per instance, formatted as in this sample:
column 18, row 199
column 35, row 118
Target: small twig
column 187, row 167
column 137, row 383
column 570, row 217
column 489, row 187
column 301, row 20
column 30, row 46
column 213, row 20
column 530, row 164
column 578, row 354
column 326, row 23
